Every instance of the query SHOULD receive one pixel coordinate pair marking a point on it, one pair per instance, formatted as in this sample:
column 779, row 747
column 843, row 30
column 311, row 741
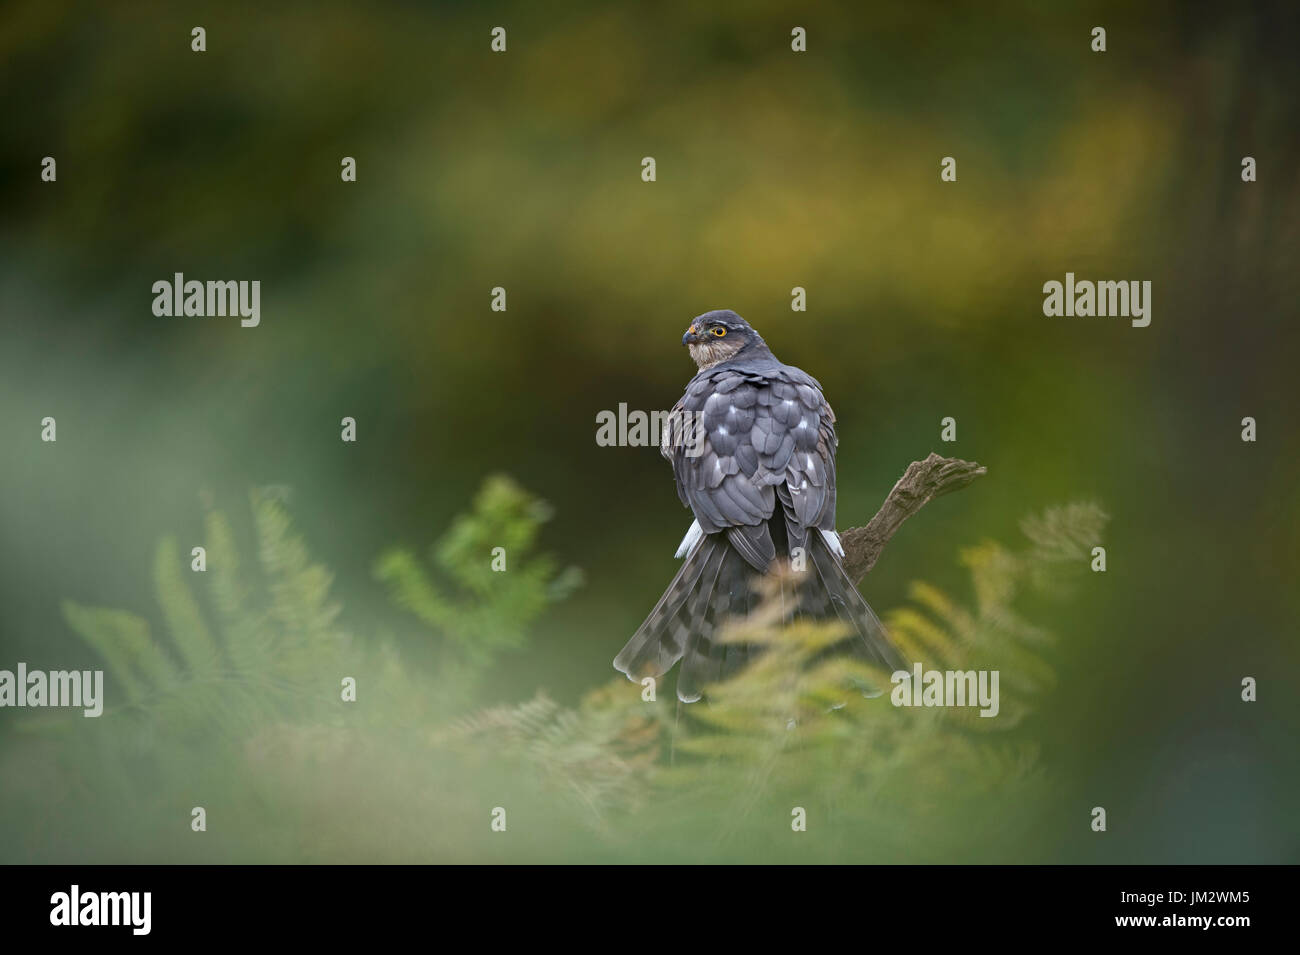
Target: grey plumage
column 762, row 482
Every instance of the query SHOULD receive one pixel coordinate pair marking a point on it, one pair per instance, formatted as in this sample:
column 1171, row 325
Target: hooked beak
column 692, row 336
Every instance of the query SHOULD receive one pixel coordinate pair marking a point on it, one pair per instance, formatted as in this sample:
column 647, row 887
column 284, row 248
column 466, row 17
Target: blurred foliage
column 273, row 639
column 484, row 610
column 793, row 728
column 943, row 635
column 239, row 706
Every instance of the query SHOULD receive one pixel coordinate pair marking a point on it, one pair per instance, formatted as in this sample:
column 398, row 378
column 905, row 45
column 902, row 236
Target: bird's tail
column 828, row 592
column 713, row 584
column 716, row 583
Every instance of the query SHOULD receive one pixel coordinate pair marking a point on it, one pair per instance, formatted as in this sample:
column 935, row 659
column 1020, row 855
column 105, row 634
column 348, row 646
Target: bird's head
column 719, row 336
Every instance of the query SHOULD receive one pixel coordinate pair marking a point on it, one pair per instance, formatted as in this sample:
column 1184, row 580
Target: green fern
column 248, row 656
column 278, row 654
column 474, row 611
column 240, row 648
column 601, row 755
column 796, row 723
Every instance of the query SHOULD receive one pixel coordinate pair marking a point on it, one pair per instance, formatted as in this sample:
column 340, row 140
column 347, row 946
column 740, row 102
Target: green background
column 775, row 170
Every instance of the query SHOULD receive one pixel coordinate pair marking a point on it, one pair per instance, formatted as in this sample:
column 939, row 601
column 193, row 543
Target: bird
column 754, row 459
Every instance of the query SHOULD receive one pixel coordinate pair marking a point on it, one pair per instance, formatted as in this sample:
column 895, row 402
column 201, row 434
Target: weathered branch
column 921, row 482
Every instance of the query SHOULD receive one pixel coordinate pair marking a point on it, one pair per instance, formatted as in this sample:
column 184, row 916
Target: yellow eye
column 718, row 331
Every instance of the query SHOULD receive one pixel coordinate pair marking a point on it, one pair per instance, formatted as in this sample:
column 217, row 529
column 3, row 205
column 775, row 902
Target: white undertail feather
column 693, row 535
column 832, row 540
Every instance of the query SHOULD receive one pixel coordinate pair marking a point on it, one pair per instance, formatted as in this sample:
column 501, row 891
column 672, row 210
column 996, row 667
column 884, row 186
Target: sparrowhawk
column 760, row 480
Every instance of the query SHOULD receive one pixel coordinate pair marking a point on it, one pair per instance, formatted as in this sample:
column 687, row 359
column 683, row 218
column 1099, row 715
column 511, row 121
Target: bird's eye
column 718, row 331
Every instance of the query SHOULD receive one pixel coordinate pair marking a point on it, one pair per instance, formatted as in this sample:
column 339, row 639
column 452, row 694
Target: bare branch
column 920, row 483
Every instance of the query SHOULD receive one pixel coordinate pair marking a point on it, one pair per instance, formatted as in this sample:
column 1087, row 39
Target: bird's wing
column 763, row 434
column 810, row 472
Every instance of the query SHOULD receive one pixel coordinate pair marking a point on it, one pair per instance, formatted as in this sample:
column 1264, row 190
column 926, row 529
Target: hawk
column 759, row 476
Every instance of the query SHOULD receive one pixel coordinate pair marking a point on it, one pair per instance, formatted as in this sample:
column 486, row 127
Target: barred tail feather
column 716, row 583
column 661, row 640
column 713, row 584
column 708, row 659
column 828, row 583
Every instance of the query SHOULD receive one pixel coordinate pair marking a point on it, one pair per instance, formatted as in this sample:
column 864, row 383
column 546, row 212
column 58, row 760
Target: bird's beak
column 692, row 335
